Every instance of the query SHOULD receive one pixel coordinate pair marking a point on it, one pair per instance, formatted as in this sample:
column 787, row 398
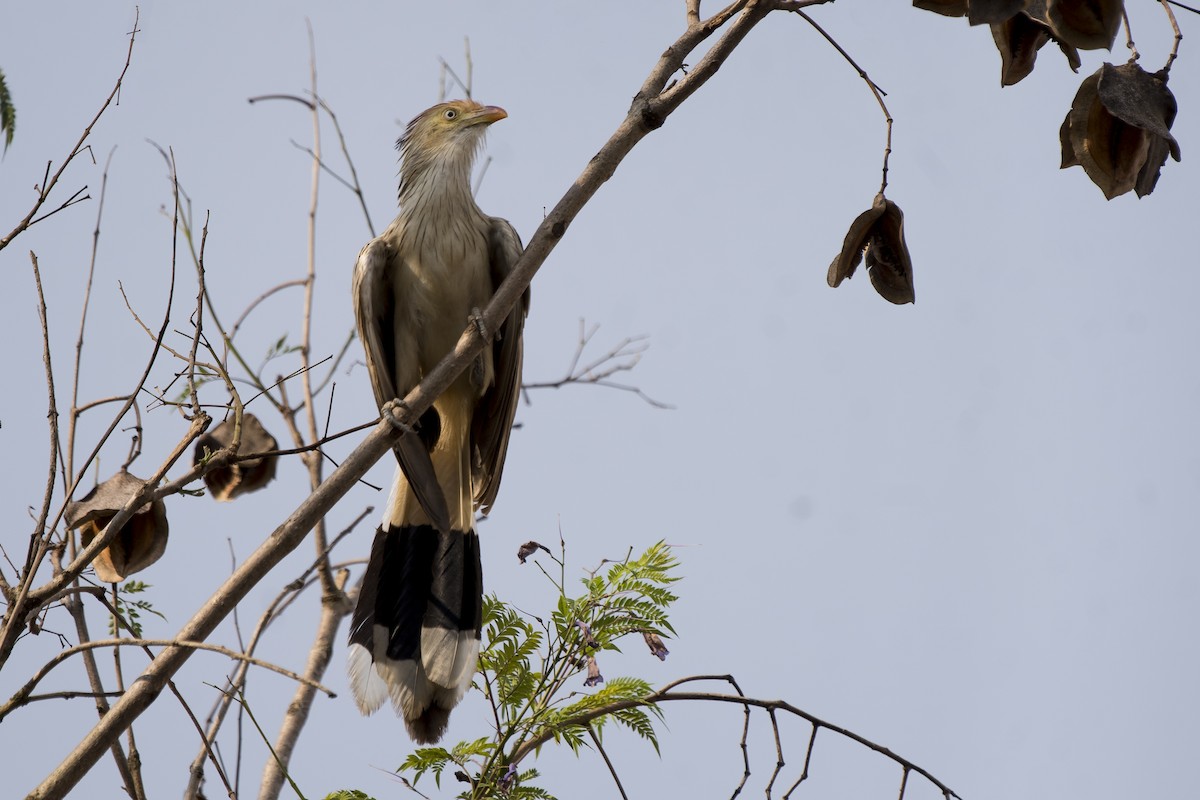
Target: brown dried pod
column 947, row 8
column 529, row 548
column 990, row 12
column 1086, row 24
column 877, row 233
column 141, row 541
column 1019, row 38
column 228, row 482
column 1118, row 129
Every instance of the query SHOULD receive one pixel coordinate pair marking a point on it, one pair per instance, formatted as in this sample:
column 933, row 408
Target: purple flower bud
column 594, row 677
column 655, row 643
column 529, row 548
column 588, row 639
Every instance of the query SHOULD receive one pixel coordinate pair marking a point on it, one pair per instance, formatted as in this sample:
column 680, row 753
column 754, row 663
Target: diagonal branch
column 50, row 182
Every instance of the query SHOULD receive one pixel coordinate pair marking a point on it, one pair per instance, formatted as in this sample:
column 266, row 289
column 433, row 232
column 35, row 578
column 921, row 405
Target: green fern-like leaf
column 638, row 721
column 426, row 760
column 8, row 113
column 522, row 789
column 130, row 610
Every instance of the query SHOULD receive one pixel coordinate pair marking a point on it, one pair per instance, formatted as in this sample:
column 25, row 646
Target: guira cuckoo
column 414, row 637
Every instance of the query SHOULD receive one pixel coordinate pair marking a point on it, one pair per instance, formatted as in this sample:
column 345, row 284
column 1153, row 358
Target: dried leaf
column 228, row 482
column 140, row 542
column 1086, row 24
column 879, row 233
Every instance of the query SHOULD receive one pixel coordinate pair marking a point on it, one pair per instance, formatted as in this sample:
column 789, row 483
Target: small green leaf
column 8, row 113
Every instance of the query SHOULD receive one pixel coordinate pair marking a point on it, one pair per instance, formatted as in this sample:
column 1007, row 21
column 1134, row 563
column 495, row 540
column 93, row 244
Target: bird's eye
column 450, row 113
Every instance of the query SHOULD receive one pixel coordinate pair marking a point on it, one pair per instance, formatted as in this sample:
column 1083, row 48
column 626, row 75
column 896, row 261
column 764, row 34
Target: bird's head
column 446, row 136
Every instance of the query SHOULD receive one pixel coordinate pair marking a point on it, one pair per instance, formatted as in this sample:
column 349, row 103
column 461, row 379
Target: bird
column 415, row 631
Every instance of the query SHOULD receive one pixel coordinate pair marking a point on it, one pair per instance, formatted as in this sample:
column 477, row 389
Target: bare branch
column 39, row 530
column 621, row 358
column 874, row 87
column 48, row 183
column 19, row 697
column 1166, row 4
column 356, row 187
column 607, row 761
column 254, row 303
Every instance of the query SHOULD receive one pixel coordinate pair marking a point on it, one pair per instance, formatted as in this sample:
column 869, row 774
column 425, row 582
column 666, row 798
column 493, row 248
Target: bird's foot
column 394, row 412
column 476, row 318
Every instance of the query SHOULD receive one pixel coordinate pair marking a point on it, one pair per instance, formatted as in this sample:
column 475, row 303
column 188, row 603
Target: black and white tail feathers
column 414, row 637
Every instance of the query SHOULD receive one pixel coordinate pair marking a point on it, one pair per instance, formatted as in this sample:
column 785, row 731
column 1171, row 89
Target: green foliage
column 278, row 349
column 130, row 610
column 8, row 113
column 534, row 673
column 348, row 794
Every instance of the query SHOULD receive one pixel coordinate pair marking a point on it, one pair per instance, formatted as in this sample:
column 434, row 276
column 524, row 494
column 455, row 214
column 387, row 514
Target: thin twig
column 198, row 314
column 74, row 606
column 607, row 761
column 355, row 186
column 1166, row 4
column 39, row 530
column 874, row 87
column 450, row 71
column 1133, row 53
column 621, row 358
column 48, row 182
column 812, row 740
column 259, row 299
column 1184, row 7
column 780, row 763
column 18, row 698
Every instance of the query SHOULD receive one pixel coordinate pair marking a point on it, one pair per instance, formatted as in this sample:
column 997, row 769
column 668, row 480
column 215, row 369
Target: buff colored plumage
column 415, row 633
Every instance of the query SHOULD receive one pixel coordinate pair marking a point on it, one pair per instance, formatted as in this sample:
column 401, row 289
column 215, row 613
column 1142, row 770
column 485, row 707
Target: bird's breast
column 444, row 276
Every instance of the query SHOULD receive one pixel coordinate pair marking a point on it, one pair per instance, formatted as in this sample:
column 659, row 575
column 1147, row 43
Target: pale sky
column 965, row 529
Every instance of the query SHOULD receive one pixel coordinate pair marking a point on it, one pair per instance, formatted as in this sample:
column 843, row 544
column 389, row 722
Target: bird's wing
column 375, row 312
column 494, row 414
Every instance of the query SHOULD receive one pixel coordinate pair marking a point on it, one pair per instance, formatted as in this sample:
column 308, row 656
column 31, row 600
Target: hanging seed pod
column 1119, row 129
column 878, row 233
column 990, row 12
column 228, row 482
column 1019, row 38
column 947, row 8
column 1086, row 24
column 141, row 541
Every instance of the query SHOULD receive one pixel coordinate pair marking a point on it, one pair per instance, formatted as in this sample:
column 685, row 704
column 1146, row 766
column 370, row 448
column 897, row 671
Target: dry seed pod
column 879, row 231
column 1086, row 24
column 228, row 482
column 1118, row 129
column 1019, row 38
column 947, row 8
column 141, row 541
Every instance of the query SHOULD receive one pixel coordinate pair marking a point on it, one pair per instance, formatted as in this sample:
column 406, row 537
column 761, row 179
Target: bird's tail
column 414, row 636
